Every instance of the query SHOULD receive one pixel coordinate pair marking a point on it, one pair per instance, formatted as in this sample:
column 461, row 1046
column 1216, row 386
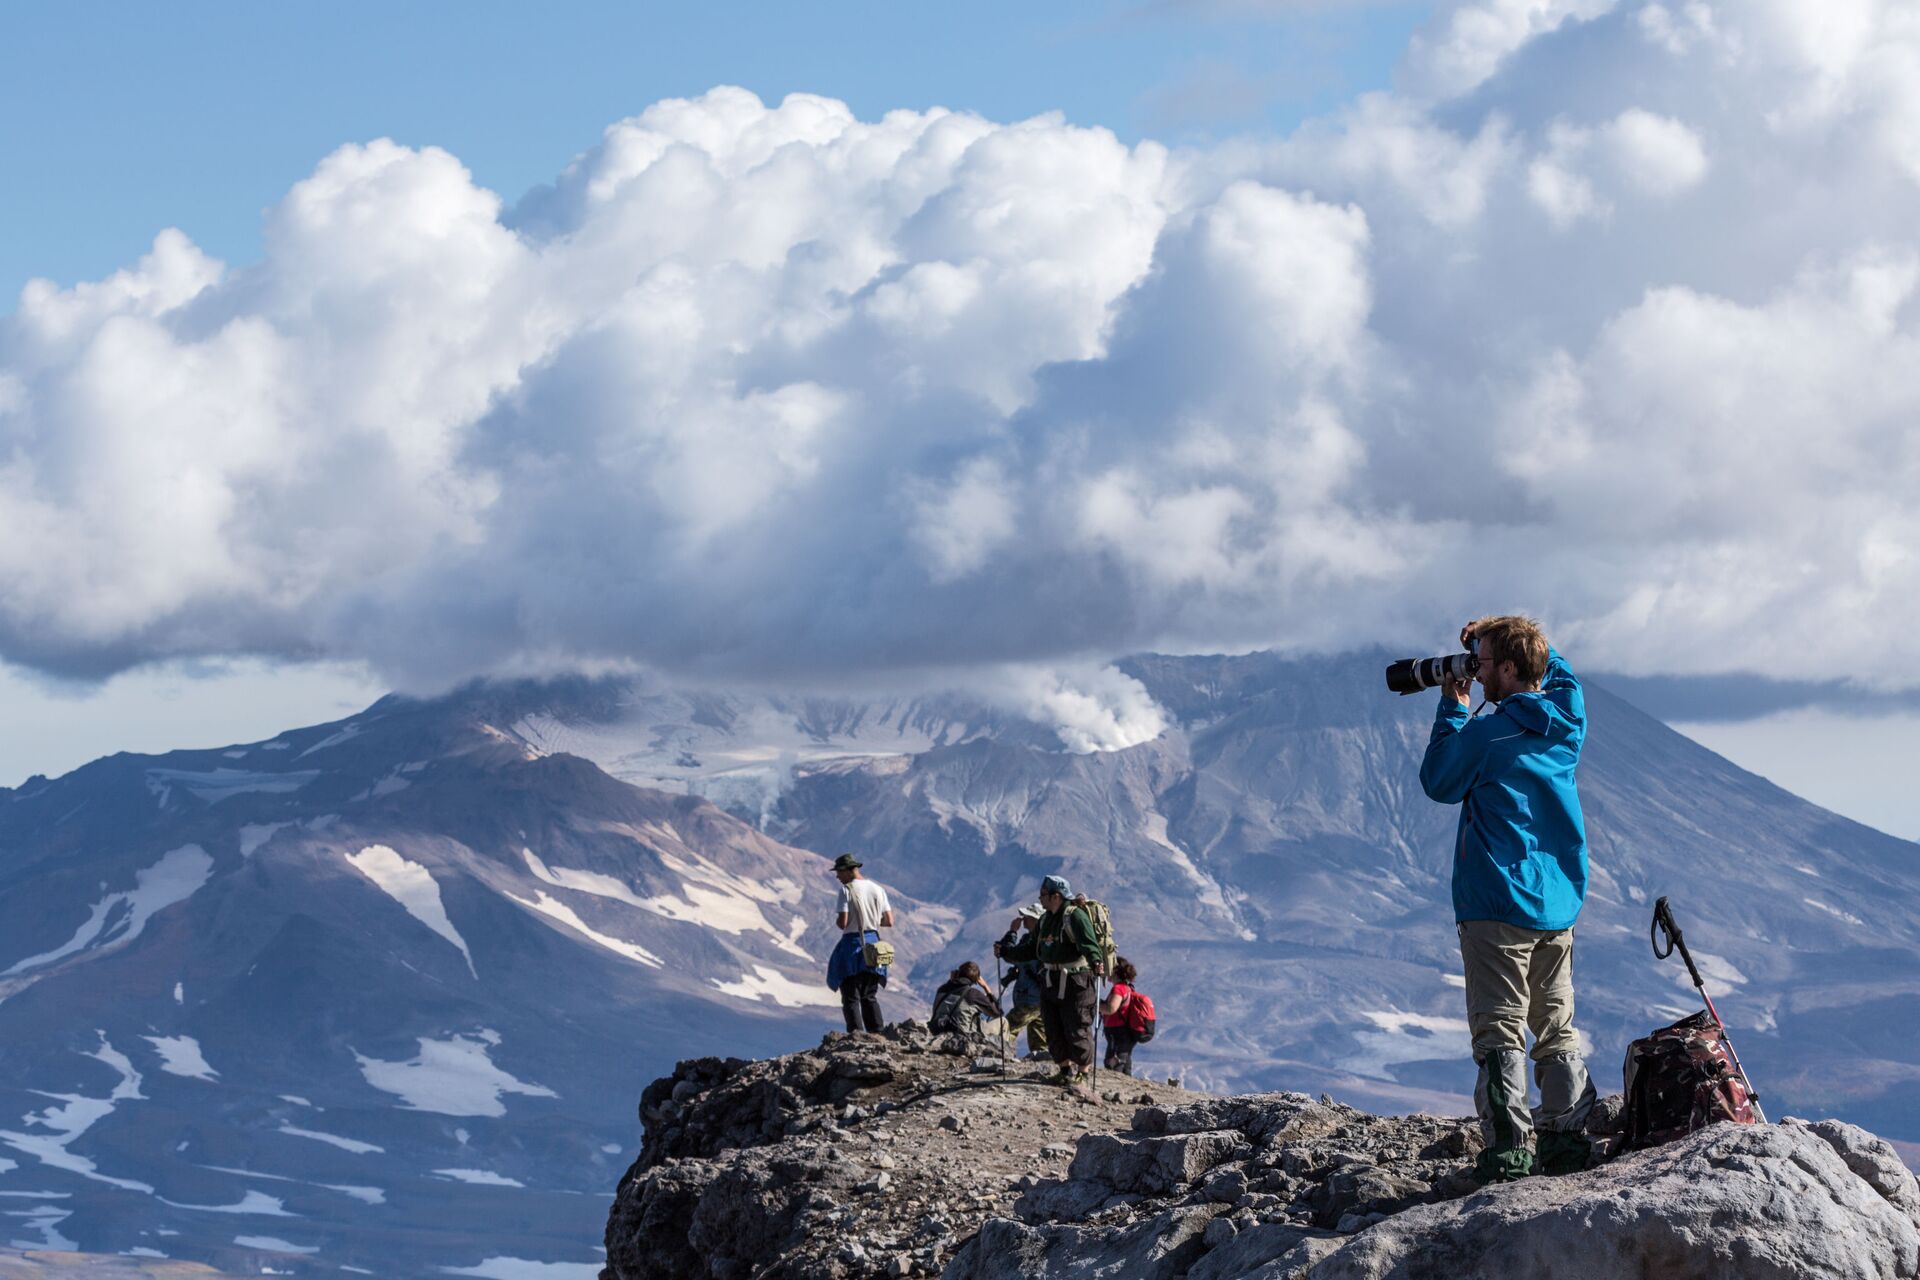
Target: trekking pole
column 1006, row 1020
column 1665, row 924
column 1099, row 1034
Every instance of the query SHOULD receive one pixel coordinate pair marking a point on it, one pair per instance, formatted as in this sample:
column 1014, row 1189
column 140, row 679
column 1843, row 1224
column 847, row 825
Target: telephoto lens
column 1411, row 675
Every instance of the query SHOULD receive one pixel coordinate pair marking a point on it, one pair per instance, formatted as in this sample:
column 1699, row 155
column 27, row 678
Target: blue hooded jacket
column 1521, row 853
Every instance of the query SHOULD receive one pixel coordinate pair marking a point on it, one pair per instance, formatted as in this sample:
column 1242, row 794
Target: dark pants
column 1120, row 1042
column 1068, row 1018
column 860, row 1001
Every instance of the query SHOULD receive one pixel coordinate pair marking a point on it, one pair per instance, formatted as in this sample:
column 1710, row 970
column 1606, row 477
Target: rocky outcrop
column 899, row 1156
column 868, row 1156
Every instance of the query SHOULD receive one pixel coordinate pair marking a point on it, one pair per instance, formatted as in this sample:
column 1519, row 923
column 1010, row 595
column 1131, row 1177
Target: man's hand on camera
column 1461, row 691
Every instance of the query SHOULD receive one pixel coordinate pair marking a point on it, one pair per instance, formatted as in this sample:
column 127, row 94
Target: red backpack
column 1139, row 1013
column 1682, row 1078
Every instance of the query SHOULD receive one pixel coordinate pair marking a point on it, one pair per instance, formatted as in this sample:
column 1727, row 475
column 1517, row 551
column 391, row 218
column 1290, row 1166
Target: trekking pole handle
column 1664, row 923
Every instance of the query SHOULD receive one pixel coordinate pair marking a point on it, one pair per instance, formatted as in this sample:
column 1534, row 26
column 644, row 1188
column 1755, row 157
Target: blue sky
column 120, row 119
column 1432, row 308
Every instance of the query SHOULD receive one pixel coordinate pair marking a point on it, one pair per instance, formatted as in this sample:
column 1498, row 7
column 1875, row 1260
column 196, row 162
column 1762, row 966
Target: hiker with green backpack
column 1069, row 946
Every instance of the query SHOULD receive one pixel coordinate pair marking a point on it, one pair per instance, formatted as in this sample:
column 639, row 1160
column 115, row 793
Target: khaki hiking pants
column 1027, row 1017
column 1521, row 980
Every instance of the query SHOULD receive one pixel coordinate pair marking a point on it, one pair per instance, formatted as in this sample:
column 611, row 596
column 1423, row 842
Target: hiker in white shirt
column 864, row 910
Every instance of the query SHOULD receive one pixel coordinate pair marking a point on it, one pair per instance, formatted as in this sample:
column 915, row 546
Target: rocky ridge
column 905, row 1155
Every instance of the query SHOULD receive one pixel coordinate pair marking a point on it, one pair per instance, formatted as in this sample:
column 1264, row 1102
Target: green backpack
column 1102, row 921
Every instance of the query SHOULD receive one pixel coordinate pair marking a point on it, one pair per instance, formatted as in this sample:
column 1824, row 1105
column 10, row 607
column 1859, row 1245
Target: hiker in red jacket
column 1117, row 1027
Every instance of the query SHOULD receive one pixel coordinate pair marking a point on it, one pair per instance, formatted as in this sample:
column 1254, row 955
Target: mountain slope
column 387, row 988
column 383, row 989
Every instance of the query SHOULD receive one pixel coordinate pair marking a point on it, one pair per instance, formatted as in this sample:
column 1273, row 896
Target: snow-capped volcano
column 382, row 994
column 386, row 989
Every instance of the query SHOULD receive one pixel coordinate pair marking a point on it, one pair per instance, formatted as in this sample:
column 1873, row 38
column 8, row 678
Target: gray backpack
column 947, row 1011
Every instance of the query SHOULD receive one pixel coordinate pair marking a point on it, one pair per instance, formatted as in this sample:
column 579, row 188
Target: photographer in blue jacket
column 1519, row 879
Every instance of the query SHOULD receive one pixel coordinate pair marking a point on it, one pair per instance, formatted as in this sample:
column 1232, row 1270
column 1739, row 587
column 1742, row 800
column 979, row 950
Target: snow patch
column 413, row 887
column 332, row 740
column 295, row 1099
column 79, row 1114
column 452, row 1077
column 46, row 1220
column 1455, row 980
column 779, row 988
column 1396, row 1037
column 1155, row 826
column 179, row 993
column 723, row 903
column 273, row 1244
column 181, row 1056
column 215, row 785
column 254, row 1204
column 547, row 905
column 118, row 918
column 521, row 1269
column 478, row 1178
column 392, row 782
column 1714, row 968
column 366, row 1195
column 255, row 834
column 354, row 1145
column 1835, row 912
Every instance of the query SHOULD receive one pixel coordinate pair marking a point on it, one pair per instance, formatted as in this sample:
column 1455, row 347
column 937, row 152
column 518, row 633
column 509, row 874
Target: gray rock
column 1160, row 1248
column 1872, row 1159
column 1249, row 1250
column 1062, row 1199
column 1297, row 1263
column 1153, row 1165
column 1765, row 1202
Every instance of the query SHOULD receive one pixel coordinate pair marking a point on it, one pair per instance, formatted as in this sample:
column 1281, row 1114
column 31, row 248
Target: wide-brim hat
column 846, row 862
column 1032, row 911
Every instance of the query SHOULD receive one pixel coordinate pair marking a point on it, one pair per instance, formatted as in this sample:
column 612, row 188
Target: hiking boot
column 1562, row 1153
column 1510, row 1165
column 1062, row 1075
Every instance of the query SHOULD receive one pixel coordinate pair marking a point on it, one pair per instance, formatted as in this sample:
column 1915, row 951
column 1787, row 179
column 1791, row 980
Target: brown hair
column 968, row 972
column 1123, row 970
column 1517, row 639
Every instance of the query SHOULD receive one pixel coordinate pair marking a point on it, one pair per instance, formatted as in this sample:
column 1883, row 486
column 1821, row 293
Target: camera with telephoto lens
column 1411, row 675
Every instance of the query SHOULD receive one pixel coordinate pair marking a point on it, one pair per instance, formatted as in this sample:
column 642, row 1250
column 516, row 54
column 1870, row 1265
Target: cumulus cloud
column 1610, row 316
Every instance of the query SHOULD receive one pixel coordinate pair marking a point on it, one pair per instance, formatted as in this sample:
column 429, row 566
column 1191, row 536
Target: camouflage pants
column 1521, row 980
column 1028, row 1016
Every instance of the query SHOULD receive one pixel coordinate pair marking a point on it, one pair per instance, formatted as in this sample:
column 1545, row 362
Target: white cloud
column 1620, row 300
column 1092, row 708
column 1467, row 41
column 1659, row 155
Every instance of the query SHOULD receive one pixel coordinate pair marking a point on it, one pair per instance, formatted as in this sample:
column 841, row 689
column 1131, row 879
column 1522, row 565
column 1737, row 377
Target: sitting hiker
column 1115, row 1020
column 1026, row 994
column 1063, row 941
column 852, row 970
column 961, row 1001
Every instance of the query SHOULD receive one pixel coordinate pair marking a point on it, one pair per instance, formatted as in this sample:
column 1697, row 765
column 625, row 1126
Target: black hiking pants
column 860, row 1001
column 1068, row 1017
column 1120, row 1042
